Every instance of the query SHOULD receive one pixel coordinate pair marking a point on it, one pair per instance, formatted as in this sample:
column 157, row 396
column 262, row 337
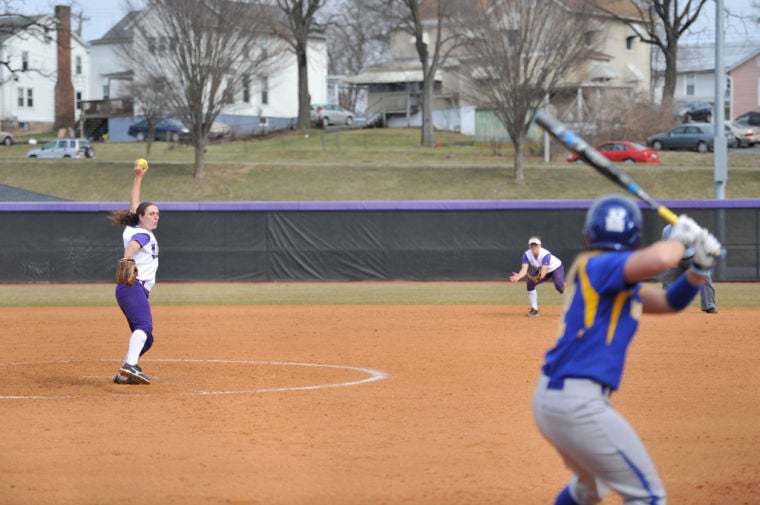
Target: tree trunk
column 519, row 170
column 304, row 98
column 428, row 138
column 200, row 160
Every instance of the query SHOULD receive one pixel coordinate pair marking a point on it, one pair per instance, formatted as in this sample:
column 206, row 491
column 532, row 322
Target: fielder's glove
column 685, row 230
column 126, row 271
column 707, row 248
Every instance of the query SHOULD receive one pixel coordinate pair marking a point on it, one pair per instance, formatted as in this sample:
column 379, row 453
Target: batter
column 603, row 305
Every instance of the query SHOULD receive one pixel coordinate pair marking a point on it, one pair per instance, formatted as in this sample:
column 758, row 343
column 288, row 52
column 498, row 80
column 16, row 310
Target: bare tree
column 204, row 51
column 518, row 52
column 433, row 27
column 39, row 27
column 152, row 93
column 666, row 21
column 296, row 24
column 357, row 37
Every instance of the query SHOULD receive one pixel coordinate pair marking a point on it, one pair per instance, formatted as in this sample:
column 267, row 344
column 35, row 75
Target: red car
column 623, row 151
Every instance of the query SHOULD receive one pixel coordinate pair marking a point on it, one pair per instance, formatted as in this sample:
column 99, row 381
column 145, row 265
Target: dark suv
column 695, row 111
column 751, row 118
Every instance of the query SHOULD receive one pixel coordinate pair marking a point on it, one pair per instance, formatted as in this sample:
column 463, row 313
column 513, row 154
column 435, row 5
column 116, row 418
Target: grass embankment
column 372, row 164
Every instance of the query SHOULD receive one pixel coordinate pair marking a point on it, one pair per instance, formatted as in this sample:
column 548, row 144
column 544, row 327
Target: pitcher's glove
column 126, row 271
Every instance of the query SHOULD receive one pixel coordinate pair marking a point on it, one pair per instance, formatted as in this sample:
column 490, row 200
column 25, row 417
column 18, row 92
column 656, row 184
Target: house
column 619, row 63
column 695, row 80
column 265, row 103
column 34, row 94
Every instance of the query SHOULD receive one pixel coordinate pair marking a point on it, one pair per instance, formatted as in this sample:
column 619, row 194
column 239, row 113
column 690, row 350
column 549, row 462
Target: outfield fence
column 336, row 241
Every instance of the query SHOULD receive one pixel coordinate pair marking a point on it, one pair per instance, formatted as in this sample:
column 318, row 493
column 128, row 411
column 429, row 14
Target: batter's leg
column 707, row 296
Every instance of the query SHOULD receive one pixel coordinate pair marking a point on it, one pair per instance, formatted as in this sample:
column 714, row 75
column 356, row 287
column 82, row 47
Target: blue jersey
column 601, row 316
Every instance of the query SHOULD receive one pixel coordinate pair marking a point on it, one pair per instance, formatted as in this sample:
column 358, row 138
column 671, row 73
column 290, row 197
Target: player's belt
column 578, row 385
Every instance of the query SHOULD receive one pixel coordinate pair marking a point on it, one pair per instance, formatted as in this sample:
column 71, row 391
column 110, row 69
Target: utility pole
column 720, row 163
column 720, row 160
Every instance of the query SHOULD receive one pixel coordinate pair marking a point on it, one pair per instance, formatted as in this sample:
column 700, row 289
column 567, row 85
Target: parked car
column 6, row 138
column 694, row 137
column 751, row 118
column 695, row 111
column 326, row 115
column 167, row 129
column 64, row 148
column 174, row 130
column 745, row 135
column 622, row 151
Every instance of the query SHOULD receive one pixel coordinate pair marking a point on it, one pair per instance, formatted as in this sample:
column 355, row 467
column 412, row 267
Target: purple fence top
column 361, row 205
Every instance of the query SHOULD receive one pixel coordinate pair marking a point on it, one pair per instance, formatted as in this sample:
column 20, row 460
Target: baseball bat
column 590, row 155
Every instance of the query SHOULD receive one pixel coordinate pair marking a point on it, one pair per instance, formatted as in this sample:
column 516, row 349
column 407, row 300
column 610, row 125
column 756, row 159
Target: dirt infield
column 350, row 405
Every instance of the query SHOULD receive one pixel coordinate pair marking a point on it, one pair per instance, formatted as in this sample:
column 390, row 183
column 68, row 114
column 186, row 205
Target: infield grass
column 322, row 293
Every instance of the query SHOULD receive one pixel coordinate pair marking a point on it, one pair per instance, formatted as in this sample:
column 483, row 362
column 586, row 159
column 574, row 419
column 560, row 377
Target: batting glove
column 707, row 248
column 685, row 230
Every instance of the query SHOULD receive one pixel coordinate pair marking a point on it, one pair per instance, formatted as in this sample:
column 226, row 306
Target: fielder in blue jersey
column 604, row 301
column 141, row 245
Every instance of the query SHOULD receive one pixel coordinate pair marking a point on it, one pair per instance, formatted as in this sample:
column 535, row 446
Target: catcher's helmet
column 613, row 222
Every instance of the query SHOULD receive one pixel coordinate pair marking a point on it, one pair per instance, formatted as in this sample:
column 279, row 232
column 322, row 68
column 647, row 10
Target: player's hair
column 127, row 217
column 613, row 222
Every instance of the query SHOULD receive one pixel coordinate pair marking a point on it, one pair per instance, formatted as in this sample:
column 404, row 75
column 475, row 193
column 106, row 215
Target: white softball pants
column 597, row 444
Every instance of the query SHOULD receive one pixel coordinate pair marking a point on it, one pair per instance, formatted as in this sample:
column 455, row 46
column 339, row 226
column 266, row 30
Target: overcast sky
column 103, row 14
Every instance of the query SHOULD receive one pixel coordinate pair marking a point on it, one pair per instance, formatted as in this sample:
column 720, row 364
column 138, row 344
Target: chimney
column 64, row 88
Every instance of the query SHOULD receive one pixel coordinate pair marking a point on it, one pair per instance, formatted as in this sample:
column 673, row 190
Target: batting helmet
column 613, row 222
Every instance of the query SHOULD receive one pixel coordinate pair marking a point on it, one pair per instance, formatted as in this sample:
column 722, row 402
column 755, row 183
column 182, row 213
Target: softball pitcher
column 603, row 305
column 136, row 276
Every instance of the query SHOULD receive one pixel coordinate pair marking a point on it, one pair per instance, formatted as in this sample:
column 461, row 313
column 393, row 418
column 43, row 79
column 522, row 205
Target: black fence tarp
column 335, row 241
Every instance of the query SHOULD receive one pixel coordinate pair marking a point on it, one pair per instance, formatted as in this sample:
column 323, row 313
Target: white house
column 695, row 80
column 28, row 91
column 268, row 102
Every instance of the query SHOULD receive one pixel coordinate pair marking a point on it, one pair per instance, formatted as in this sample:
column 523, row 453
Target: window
column 691, row 84
column 25, row 97
column 106, row 91
column 246, row 89
column 264, row 90
column 78, row 100
column 78, row 65
column 24, row 61
column 629, row 42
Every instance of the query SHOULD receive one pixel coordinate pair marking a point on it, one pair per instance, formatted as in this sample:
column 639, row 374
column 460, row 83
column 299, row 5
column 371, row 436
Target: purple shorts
column 133, row 302
column 558, row 276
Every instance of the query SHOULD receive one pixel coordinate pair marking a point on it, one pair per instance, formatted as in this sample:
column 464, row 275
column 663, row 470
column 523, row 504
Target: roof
column 12, row 24
column 702, row 58
column 122, row 30
column 388, row 76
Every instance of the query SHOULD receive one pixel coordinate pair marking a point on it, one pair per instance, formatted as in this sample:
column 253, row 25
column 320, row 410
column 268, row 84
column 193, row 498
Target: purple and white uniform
column 133, row 300
column 545, row 258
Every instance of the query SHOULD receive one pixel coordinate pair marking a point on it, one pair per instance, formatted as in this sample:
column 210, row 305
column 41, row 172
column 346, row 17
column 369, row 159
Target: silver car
column 6, row 138
column 746, row 135
column 328, row 114
column 698, row 137
column 64, row 148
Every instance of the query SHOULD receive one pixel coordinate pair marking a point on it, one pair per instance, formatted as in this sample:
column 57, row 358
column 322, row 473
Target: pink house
column 745, row 77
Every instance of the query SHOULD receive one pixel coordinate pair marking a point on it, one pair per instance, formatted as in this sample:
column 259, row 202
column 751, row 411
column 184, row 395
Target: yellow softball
column 142, row 164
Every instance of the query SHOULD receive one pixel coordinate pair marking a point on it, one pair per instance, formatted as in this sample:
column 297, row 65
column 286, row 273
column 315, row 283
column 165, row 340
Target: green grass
column 372, row 164
column 320, row 293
